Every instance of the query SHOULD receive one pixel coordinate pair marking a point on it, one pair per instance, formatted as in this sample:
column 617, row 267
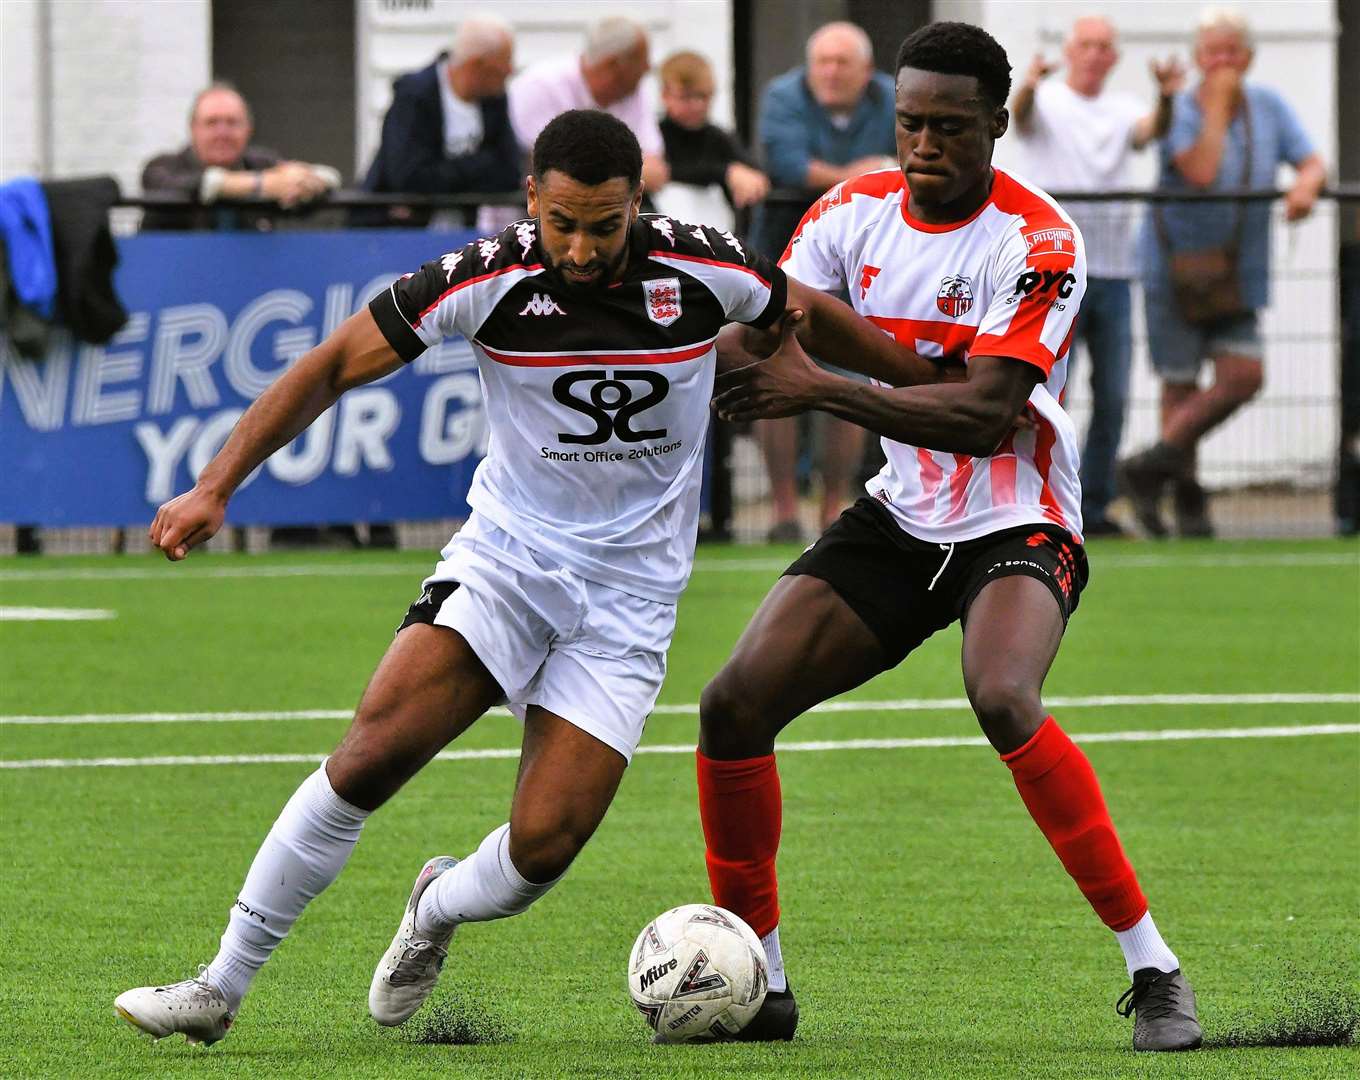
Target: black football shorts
column 905, row 589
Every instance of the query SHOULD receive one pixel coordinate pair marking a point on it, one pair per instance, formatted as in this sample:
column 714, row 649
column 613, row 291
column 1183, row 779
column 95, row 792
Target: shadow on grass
column 453, row 1020
column 1304, row 1016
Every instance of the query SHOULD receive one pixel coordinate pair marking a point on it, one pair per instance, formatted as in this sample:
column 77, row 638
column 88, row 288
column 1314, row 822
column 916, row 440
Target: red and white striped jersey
column 1005, row 282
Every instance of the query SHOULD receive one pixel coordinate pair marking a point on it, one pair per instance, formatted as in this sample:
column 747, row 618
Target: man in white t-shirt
column 1078, row 136
column 606, row 75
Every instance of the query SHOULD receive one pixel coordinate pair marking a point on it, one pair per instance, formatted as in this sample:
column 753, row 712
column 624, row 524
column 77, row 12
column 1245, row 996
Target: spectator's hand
column 1299, row 201
column 747, row 185
column 1039, row 69
column 290, row 183
column 186, row 521
column 1169, row 75
column 1222, row 88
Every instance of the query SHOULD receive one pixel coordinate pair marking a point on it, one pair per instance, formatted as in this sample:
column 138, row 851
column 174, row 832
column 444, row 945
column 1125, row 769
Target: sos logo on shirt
column 612, row 401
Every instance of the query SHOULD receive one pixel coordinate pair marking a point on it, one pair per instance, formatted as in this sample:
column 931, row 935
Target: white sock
column 483, row 886
column 775, row 959
column 303, row 853
column 1144, row 948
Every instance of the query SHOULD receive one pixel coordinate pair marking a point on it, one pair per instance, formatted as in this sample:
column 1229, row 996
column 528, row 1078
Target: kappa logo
column 663, row 226
column 698, row 233
column 524, row 233
column 450, row 263
column 734, row 243
column 1050, row 240
column 487, row 250
column 867, row 278
column 955, row 297
column 663, row 300
column 542, row 304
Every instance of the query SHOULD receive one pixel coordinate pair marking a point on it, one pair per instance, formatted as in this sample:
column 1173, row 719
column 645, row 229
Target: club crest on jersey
column 955, row 297
column 663, row 300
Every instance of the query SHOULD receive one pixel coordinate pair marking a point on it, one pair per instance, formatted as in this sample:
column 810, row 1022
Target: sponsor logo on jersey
column 542, row 304
column 450, row 263
column 663, row 300
column 1050, row 240
column 955, row 297
column 611, row 403
column 1034, row 282
column 663, row 226
column 866, row 278
column 832, row 198
column 487, row 250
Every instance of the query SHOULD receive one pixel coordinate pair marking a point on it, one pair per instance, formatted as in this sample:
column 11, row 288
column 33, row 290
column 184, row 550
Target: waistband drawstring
column 943, row 565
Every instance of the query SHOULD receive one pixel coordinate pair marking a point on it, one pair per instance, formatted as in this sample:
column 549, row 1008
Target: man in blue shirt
column 822, row 123
column 1225, row 133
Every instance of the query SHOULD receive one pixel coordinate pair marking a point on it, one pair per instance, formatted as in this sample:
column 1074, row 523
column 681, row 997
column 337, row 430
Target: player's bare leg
column 1011, row 636
column 429, row 687
column 803, row 645
column 567, row 779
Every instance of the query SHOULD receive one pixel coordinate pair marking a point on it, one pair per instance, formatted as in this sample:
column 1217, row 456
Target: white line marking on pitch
column 417, row 570
column 905, row 705
column 902, row 705
column 819, row 746
column 54, row 614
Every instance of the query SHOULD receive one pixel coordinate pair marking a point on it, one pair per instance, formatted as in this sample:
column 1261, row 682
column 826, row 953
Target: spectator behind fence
column 820, row 124
column 448, row 128
column 606, row 75
column 1078, row 136
column 708, row 166
column 1205, row 266
column 220, row 166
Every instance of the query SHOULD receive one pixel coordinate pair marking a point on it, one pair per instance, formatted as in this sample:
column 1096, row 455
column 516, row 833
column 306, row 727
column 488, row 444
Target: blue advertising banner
column 101, row 435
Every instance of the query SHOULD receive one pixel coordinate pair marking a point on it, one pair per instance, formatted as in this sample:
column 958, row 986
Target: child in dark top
column 698, row 152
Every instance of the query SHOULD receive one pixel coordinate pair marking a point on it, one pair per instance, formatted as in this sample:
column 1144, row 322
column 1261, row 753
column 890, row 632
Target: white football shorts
column 593, row 655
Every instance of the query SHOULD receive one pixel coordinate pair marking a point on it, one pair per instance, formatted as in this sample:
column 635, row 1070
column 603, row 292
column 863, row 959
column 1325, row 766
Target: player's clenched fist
column 186, row 521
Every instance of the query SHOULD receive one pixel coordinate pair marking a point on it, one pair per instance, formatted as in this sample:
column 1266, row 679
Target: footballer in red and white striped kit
column 975, row 517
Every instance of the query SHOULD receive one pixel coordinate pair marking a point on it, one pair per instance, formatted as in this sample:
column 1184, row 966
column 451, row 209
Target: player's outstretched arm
column 355, row 354
column 834, row 332
column 970, row 417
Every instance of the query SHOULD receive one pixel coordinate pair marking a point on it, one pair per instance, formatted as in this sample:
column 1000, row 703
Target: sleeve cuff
column 394, row 327
column 779, row 298
column 210, row 187
column 1033, row 353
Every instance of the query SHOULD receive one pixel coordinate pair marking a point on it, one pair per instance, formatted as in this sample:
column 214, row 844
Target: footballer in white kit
column 594, row 328
column 975, row 517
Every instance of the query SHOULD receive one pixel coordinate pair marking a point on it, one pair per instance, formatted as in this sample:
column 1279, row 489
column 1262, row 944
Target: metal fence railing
column 1286, row 465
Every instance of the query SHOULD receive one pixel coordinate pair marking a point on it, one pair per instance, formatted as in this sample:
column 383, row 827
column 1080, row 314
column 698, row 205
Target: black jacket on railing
column 411, row 155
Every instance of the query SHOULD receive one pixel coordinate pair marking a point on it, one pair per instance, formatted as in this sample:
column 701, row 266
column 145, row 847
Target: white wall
column 121, row 73
column 396, row 36
column 1291, row 431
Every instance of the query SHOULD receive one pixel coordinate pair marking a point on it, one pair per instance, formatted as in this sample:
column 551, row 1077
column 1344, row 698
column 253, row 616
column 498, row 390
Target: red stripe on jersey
column 710, row 262
column 931, row 476
column 1043, row 461
column 603, row 359
column 1002, row 472
column 958, row 486
column 954, row 338
column 473, row 281
column 876, row 185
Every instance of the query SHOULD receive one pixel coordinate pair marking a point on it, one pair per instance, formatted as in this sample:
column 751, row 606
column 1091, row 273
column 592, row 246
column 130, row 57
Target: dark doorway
column 294, row 64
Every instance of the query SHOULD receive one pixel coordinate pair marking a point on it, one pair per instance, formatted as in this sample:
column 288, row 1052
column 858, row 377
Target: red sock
column 1060, row 789
column 740, row 805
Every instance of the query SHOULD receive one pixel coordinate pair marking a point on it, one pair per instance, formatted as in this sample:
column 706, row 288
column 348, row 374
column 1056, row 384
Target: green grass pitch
column 929, row 930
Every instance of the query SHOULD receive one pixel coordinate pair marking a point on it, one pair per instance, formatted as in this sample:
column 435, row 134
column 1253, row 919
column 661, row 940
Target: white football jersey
column 597, row 400
column 1005, row 282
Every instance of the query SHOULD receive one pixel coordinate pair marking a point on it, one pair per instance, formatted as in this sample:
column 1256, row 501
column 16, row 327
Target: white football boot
column 194, row 1008
column 409, row 969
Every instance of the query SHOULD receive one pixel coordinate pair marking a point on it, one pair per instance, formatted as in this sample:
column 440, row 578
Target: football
column 697, row 972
